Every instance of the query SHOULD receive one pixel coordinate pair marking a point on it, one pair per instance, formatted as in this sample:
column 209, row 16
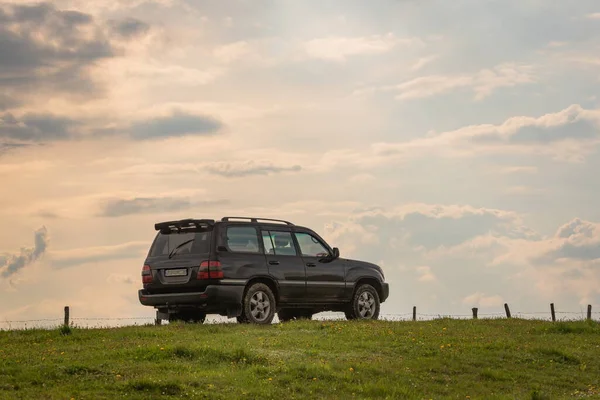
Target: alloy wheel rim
column 366, row 305
column 260, row 306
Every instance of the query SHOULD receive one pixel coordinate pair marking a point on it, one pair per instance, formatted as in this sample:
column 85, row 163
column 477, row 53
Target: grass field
column 444, row 358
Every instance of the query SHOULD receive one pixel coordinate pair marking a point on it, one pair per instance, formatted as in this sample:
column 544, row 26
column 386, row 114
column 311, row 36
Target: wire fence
column 108, row 322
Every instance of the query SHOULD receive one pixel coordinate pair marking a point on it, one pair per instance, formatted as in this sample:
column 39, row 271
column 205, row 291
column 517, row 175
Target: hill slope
column 307, row 359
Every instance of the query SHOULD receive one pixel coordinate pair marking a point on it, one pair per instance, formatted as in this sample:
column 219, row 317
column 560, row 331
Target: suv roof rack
column 256, row 219
column 183, row 223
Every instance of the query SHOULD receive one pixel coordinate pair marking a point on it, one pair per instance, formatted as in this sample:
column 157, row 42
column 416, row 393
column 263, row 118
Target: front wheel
column 259, row 305
column 365, row 304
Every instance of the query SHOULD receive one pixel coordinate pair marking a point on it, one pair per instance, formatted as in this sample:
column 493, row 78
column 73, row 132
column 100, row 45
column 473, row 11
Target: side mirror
column 336, row 253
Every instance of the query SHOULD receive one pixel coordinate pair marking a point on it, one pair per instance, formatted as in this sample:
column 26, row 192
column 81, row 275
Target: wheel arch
column 370, row 281
column 270, row 282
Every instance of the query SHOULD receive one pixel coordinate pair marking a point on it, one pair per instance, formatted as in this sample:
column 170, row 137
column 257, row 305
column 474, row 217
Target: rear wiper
column 172, row 253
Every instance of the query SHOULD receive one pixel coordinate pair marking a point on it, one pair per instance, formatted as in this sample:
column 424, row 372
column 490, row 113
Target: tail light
column 210, row 270
column 146, row 274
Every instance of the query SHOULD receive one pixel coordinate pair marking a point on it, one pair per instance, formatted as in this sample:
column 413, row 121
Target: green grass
column 456, row 359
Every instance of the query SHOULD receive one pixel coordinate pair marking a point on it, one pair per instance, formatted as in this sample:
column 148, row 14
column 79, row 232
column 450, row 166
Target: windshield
column 190, row 242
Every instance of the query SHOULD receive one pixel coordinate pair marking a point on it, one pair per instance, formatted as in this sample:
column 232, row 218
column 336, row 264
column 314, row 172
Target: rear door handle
column 311, row 264
column 273, row 262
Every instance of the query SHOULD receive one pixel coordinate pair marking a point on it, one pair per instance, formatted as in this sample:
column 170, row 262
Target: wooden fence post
column 552, row 312
column 589, row 313
column 507, row 310
column 66, row 315
column 474, row 312
column 414, row 313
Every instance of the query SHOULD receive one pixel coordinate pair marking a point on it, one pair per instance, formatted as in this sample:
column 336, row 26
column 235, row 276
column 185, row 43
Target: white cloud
column 425, row 274
column 593, row 16
column 557, row 44
column 431, row 85
column 522, row 190
column 567, row 135
column 98, row 254
column 479, row 299
column 232, row 51
column 519, row 169
column 362, row 178
column 422, row 62
column 482, row 83
column 339, row 48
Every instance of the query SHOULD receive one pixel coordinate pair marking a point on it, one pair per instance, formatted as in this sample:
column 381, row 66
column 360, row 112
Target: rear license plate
column 176, row 272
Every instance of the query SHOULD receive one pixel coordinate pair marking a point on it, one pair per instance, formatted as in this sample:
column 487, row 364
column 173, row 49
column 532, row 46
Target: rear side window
column 190, row 242
column 242, row 239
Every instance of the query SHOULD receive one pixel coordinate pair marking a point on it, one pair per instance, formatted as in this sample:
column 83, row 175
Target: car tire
column 259, row 305
column 365, row 304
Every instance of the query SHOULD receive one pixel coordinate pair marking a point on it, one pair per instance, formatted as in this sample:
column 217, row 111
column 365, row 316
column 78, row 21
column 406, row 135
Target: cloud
column 568, row 135
column 232, row 51
column 98, row 254
column 120, row 279
column 248, row 168
column 53, row 52
column 177, row 124
column 45, row 128
column 140, row 205
column 11, row 264
column 593, row 16
column 6, row 147
column 425, row 274
column 46, row 214
column 338, row 48
column 479, row 299
column 576, row 240
column 49, row 46
column 7, row 102
column 422, row 62
column 36, row 127
column 129, row 27
column 519, row 169
column 424, row 227
column 482, row 83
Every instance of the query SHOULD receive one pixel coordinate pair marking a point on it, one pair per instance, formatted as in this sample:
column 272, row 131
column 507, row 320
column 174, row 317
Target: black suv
column 250, row 268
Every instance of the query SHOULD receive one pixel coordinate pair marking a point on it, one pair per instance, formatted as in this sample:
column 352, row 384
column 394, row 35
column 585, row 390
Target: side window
column 279, row 243
column 242, row 239
column 310, row 246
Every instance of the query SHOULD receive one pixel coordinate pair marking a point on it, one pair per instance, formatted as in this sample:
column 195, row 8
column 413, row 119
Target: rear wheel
column 259, row 305
column 365, row 303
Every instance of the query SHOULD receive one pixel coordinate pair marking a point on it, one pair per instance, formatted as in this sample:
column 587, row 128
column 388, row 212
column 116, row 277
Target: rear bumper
column 213, row 295
column 385, row 291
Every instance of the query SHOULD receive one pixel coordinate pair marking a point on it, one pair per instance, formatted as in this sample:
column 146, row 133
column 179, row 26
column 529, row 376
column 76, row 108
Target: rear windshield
column 197, row 243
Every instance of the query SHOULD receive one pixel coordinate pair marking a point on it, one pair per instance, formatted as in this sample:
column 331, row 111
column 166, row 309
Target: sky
column 456, row 144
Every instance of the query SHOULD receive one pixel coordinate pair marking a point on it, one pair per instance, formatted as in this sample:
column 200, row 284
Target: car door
column 240, row 253
column 325, row 281
column 285, row 264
